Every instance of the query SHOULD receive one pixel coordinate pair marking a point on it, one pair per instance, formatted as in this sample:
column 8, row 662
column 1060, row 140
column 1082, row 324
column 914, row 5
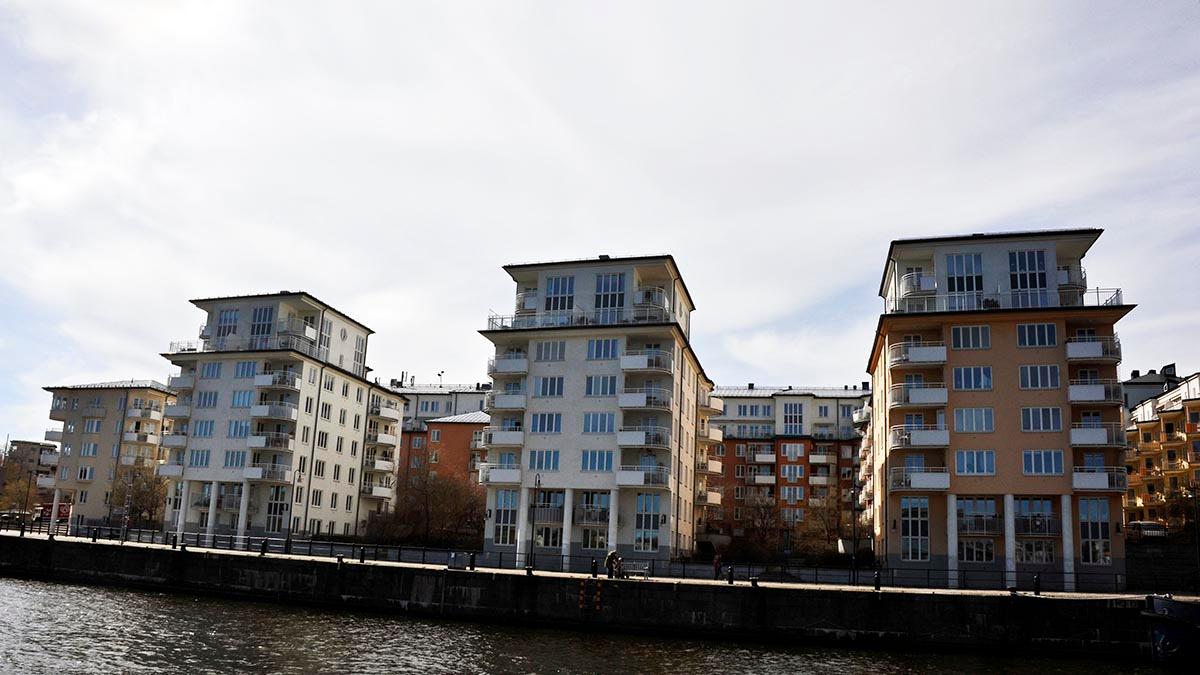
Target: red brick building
column 447, row 447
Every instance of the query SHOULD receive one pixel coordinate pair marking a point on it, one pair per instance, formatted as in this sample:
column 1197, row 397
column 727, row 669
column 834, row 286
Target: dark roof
column 607, row 260
column 119, row 384
column 284, row 294
column 1153, row 378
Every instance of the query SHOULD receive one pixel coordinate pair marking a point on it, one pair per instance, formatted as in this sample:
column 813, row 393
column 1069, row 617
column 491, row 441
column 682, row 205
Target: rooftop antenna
column 440, row 373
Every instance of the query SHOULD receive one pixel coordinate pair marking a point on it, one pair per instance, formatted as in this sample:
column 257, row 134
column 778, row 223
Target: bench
column 635, row 569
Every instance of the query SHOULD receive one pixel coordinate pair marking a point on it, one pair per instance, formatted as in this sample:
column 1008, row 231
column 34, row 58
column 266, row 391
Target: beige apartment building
column 27, row 457
column 598, row 410
column 278, row 430
column 1163, row 459
column 108, row 429
column 996, row 442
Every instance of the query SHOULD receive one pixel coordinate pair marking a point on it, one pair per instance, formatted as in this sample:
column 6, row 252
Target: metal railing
column 1019, row 299
column 901, row 436
column 1113, row 433
column 275, row 440
column 980, row 524
column 591, row 515
column 1038, row 524
column 901, row 352
column 900, row 478
column 615, row 316
column 546, row 514
column 651, row 296
column 1109, row 347
column 1117, row 478
column 232, row 343
column 275, row 472
column 492, row 364
column 651, row 475
column 899, row 393
column 656, row 397
column 917, row 282
column 1112, row 390
column 656, row 359
column 654, row 436
column 283, row 378
column 277, row 409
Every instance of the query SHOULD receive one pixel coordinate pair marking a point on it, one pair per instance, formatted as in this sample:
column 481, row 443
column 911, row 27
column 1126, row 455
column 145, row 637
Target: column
column 183, row 508
column 522, row 526
column 1068, row 545
column 212, row 514
column 568, row 509
column 952, row 540
column 1010, row 541
column 54, row 510
column 243, row 510
column 613, row 502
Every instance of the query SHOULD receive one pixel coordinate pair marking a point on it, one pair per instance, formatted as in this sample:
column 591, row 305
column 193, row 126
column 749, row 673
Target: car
column 1138, row 529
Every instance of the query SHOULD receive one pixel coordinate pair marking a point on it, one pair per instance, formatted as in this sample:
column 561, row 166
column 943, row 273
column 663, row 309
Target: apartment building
column 23, row 462
column 598, row 414
column 1141, row 386
column 109, row 429
column 1163, row 460
column 997, row 441
column 793, row 448
column 278, row 429
column 425, row 402
column 450, row 447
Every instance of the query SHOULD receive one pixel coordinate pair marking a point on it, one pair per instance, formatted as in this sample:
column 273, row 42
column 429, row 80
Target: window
column 319, row 468
column 206, row 399
column 822, row 411
column 1095, row 544
column 560, row 293
column 545, row 423
column 323, row 439
column 418, row 442
column 547, row 386
column 550, row 351
column 1035, row 551
column 242, row 399
column 914, row 528
column 89, row 449
column 543, row 460
column 598, row 423
column 262, row 321
column 973, row 378
column 973, row 420
column 847, row 411
column 792, row 451
column 504, row 532
column 595, row 538
column 239, row 428
column 601, row 385
column 91, row 426
column 1037, row 335
column 791, row 493
column 203, row 428
column 245, row 369
column 792, row 472
column 317, row 498
column 329, row 382
column 964, row 283
column 435, row 435
column 227, row 320
column 793, row 419
column 1027, row 278
column 198, row 457
column 337, row 472
column 975, row 462
column 210, row 371
column 610, row 296
column 602, row 350
column 646, row 522
column 1043, row 462
column 326, row 411
column 547, row 536
column 349, row 503
column 1039, row 377
column 739, row 470
column 970, row 337
column 235, row 459
column 976, row 550
column 1041, row 419
column 597, row 460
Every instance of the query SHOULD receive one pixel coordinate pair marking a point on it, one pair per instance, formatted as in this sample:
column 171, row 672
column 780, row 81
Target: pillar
column 243, row 510
column 613, row 502
column 952, row 540
column 1068, row 544
column 212, row 514
column 54, row 510
column 183, row 508
column 568, row 509
column 523, row 523
column 1010, row 541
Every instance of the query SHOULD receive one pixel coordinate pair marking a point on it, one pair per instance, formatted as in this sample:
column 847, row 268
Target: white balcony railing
column 917, row 353
column 919, row 436
column 250, row 344
column 657, row 360
column 918, row 394
column 279, row 379
column 493, row 473
column 653, row 397
column 1105, row 349
column 273, row 440
column 644, row 437
column 515, row 363
column 1091, row 434
column 926, row 478
column 275, row 473
column 503, row 436
column 617, row 316
column 1103, row 478
column 640, row 476
column 1020, row 299
column 917, row 282
column 1095, row 391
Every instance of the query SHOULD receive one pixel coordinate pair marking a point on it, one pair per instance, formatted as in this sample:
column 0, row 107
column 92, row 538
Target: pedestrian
column 620, row 567
column 717, row 567
column 610, row 563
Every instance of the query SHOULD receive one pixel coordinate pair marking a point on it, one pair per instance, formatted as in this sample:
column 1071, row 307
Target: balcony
column 820, row 479
column 919, row 436
column 233, row 502
column 272, row 441
column 141, row 437
column 1020, row 299
column 385, row 464
column 181, row 382
column 48, row 459
column 710, row 435
column 498, row 437
column 917, row 283
column 368, row 491
column 136, row 460
column 279, row 410
column 1038, row 525
column 647, row 360
column 279, row 379
column 762, row 479
column 499, row 474
column 1101, row 479
column 761, row 457
column 169, row 470
column 916, row 354
column 1097, row 435
column 643, row 437
column 710, row 405
column 710, row 466
column 548, row 515
column 644, row 399
column 505, row 400
column 984, row 524
column 638, row 476
column 526, row 302
column 145, row 412
column 591, row 515
column 923, row 395
column 652, row 296
column 92, row 411
column 270, row 473
column 1096, row 391
column 751, row 432
column 54, row 435
column 177, row 439
column 177, row 411
column 297, row 328
column 1097, row 349
column 708, row 498
column 926, row 478
column 822, row 458
column 230, row 343
column 861, row 415
column 508, row 364
column 381, row 438
column 617, row 316
column 414, row 425
column 45, row 482
column 384, row 411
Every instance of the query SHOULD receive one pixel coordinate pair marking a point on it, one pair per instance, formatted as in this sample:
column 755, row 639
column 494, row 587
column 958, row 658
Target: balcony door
column 913, row 463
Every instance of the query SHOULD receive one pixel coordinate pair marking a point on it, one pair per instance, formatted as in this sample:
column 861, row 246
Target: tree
column 149, row 495
column 16, row 485
column 434, row 511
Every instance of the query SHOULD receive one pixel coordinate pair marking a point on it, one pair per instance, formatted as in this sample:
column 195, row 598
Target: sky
column 389, row 157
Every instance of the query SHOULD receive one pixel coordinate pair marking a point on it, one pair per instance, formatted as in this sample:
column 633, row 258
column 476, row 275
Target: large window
column 646, row 522
column 1041, row 419
column 970, row 337
column 975, row 462
column 603, row 350
column 976, row 550
column 1095, row 543
column 973, row 378
column 547, row 386
column 792, row 493
column 792, row 451
column 597, row 460
column 1027, row 278
column 550, row 351
column 793, row 419
column 964, row 281
column 973, row 420
column 545, row 423
column 560, row 293
column 543, row 460
column 1042, row 462
column 610, row 296
column 601, row 385
column 1035, row 551
column 262, row 324
column 791, row 472
column 914, row 528
column 1040, row 377
column 227, row 320
column 505, row 531
column 1037, row 335
column 598, row 423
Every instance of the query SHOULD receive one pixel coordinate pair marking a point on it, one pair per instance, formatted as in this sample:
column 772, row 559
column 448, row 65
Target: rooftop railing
column 616, row 316
column 233, row 343
column 1020, row 299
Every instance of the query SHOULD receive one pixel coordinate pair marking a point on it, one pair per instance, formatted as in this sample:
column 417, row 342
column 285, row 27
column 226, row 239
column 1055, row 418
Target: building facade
column 277, row 429
column 1151, row 384
column 1163, row 459
column 29, row 462
column 598, row 415
column 997, row 441
column 449, row 447
column 109, row 430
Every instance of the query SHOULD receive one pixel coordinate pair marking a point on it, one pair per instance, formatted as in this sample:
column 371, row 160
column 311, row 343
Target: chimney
column 866, row 386
column 604, row 256
column 1169, row 369
column 1151, row 372
column 845, row 387
column 750, row 385
column 1135, row 374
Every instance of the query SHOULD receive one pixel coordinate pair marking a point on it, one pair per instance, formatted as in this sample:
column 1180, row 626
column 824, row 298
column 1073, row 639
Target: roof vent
column 1151, row 372
column 604, row 256
column 1135, row 374
column 750, row 385
column 866, row 386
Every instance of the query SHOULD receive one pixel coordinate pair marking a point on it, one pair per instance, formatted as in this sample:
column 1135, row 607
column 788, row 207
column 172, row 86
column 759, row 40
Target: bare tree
column 434, row 510
column 148, row 495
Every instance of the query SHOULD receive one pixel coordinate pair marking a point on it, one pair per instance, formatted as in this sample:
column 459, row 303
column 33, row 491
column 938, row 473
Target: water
column 54, row 628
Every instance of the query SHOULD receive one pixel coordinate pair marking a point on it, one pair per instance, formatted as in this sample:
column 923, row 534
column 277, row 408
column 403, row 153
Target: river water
column 56, row 628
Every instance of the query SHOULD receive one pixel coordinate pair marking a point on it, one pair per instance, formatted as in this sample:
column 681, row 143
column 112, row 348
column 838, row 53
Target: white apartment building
column 598, row 414
column 277, row 431
column 430, row 401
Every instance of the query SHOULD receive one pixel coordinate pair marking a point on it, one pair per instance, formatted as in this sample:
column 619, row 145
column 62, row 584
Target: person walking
column 610, row 563
column 717, row 567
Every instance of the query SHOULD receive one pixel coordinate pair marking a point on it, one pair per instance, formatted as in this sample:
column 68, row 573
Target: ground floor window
column 646, row 520
column 1095, row 543
column 976, row 550
column 1035, row 552
column 277, row 507
column 914, row 528
column 595, row 538
column 505, row 525
column 547, row 536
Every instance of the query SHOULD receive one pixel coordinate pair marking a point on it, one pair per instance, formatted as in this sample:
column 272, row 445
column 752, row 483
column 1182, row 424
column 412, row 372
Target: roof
column 444, row 389
column 477, row 417
column 1153, row 378
column 608, row 260
column 119, row 384
column 984, row 236
column 285, row 294
column 760, row 391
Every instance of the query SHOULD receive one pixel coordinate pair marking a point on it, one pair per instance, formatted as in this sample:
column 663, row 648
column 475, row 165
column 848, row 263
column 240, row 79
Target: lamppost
column 537, row 486
column 854, row 488
column 25, row 506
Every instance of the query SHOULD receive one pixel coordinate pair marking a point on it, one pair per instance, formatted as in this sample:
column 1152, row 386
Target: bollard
column 287, row 544
column 183, row 548
column 174, row 540
column 529, row 570
column 729, row 575
column 876, row 579
column 595, row 567
column 362, row 554
column 471, row 561
column 262, row 548
column 22, row 526
column 754, row 582
column 94, row 534
column 1037, row 584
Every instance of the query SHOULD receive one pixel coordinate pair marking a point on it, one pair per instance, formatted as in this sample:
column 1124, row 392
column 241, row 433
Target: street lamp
column 537, row 486
column 25, row 507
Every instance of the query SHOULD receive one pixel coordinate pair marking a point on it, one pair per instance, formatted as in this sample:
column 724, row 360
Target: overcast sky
column 389, row 158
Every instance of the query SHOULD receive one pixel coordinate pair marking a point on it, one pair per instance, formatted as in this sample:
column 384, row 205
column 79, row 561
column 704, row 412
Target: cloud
column 389, row 158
